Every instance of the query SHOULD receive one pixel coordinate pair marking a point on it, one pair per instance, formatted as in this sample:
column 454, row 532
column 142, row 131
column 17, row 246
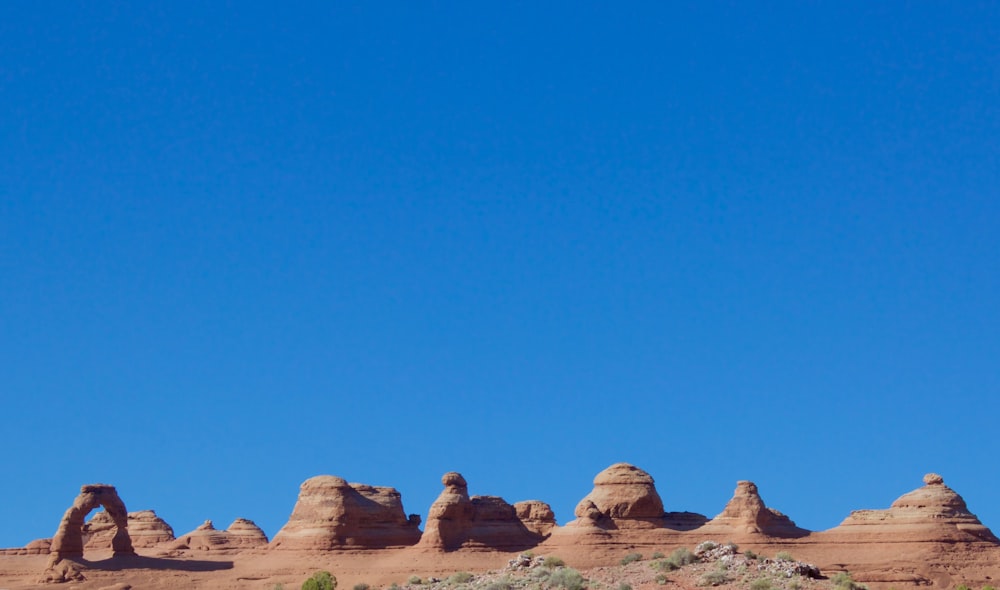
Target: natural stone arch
column 68, row 542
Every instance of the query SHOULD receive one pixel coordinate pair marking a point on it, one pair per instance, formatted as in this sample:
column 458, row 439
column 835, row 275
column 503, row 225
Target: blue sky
column 244, row 244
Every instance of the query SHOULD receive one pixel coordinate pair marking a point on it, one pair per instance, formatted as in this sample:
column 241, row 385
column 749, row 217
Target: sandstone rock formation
column 245, row 533
column 68, row 541
column 746, row 514
column 932, row 513
column 623, row 496
column 457, row 520
column 242, row 534
column 67, row 544
column 536, row 516
column 145, row 528
column 333, row 514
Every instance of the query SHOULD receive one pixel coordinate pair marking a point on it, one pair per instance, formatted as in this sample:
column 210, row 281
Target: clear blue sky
column 244, row 244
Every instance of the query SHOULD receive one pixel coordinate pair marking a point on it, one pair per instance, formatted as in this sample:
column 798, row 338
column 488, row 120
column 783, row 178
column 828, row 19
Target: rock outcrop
column 333, row 514
column 536, row 516
column 932, row 513
column 457, row 520
column 67, row 544
column 746, row 514
column 145, row 528
column 68, row 540
column 624, row 496
column 242, row 534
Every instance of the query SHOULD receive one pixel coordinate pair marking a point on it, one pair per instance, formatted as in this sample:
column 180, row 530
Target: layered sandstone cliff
column 333, row 514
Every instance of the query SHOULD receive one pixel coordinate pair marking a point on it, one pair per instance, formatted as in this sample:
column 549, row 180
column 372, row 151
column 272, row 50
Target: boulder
column 333, row 514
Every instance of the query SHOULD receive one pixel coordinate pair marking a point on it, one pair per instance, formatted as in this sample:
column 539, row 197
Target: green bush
column 552, row 562
column 760, row 584
column 657, row 555
column 749, row 554
column 322, row 580
column 631, row 557
column 624, row 586
column 567, row 578
column 962, row 587
column 988, row 587
column 714, row 578
column 795, row 585
column 501, row 584
column 362, row 586
column 844, row 581
column 783, row 556
column 682, row 556
column 661, row 579
column 415, row 580
column 460, row 578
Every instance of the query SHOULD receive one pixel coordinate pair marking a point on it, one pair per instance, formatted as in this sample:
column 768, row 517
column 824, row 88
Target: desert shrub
column 460, row 577
column 733, row 546
column 988, row 587
column 664, row 565
column 783, row 556
column 794, row 585
column 760, row 584
column 682, row 556
column 706, row 546
column 749, row 554
column 415, row 580
column 624, row 586
column 567, row 578
column 631, row 557
column 394, row 586
column 657, row 555
column 552, row 561
column 501, row 584
column 362, row 586
column 322, row 580
column 714, row 578
column 962, row 587
column 661, row 579
column 844, row 581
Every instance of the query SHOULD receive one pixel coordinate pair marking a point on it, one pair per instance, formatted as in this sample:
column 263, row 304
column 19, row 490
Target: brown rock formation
column 242, row 534
column 624, row 495
column 457, row 520
column 145, row 528
column 245, row 533
column 746, row 514
column 932, row 513
column 68, row 541
column 536, row 516
column 333, row 514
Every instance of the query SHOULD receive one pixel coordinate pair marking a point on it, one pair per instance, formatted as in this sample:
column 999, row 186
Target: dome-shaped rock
column 332, row 514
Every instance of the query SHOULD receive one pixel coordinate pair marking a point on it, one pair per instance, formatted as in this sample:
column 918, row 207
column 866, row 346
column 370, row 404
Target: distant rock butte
column 624, row 495
column 933, row 513
column 333, row 514
column 746, row 514
column 242, row 534
column 145, row 528
column 456, row 520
